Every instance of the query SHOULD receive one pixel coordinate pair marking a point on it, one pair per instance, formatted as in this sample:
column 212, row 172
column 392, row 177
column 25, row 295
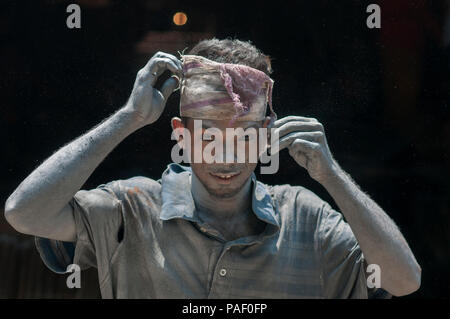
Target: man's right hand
column 146, row 102
column 40, row 205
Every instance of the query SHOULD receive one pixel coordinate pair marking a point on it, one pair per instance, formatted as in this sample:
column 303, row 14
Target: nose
column 231, row 151
column 230, row 154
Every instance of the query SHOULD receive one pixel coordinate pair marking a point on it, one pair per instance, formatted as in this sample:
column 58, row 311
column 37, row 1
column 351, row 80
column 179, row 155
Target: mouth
column 224, row 177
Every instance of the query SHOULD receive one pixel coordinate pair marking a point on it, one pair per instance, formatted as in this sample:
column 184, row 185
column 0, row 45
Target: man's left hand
column 307, row 144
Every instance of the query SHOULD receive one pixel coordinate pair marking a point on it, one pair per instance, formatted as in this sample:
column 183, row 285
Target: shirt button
column 223, row 272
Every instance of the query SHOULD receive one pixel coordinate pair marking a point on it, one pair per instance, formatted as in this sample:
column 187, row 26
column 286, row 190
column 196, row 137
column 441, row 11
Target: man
column 211, row 230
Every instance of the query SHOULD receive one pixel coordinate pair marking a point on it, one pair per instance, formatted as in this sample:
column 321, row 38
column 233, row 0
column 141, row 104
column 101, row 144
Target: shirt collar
column 177, row 200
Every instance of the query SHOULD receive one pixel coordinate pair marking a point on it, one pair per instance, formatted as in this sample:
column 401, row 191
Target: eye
column 208, row 137
column 247, row 138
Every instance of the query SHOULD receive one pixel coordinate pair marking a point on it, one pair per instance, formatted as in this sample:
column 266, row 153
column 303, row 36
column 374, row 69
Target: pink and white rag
column 217, row 91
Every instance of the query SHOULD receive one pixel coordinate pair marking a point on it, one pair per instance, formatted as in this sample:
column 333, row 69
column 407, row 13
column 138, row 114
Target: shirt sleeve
column 98, row 220
column 343, row 271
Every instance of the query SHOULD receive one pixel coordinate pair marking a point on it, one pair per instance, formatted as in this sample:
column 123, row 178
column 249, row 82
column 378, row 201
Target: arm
column 40, row 204
column 378, row 236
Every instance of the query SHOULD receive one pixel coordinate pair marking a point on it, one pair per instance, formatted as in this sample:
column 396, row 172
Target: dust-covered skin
column 40, row 204
column 209, row 174
column 380, row 239
column 146, row 102
column 305, row 139
column 222, row 191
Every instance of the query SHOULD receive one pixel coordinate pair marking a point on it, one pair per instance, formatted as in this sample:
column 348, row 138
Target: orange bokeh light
column 180, row 18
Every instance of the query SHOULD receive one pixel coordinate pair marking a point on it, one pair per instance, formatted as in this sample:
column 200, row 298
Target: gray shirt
column 146, row 241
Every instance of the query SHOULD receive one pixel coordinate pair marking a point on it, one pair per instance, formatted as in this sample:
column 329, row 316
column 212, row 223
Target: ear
column 177, row 123
column 266, row 122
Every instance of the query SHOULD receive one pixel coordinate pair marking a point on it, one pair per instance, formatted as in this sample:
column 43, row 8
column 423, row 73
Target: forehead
column 222, row 124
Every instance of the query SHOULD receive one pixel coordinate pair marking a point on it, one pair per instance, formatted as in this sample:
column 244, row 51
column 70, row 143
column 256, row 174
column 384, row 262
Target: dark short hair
column 233, row 51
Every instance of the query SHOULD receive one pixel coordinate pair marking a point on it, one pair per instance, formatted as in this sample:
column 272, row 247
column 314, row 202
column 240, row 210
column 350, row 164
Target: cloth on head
column 217, row 91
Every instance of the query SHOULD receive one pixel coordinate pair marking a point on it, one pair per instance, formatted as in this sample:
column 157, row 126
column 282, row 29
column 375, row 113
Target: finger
column 286, row 119
column 290, row 138
column 155, row 67
column 171, row 57
column 299, row 126
column 287, row 140
column 169, row 86
column 299, row 156
column 304, row 146
column 160, row 65
column 163, row 55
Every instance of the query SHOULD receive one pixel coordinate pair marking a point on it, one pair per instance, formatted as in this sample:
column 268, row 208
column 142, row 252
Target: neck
column 218, row 208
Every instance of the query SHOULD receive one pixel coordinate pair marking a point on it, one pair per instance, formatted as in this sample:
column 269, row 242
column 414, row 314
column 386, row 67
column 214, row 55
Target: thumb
column 169, row 86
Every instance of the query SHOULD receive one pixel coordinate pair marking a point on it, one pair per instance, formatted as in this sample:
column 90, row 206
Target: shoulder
column 301, row 195
column 138, row 190
column 137, row 186
column 297, row 202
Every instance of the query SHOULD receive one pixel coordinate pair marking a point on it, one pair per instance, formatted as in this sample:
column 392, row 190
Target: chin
column 222, row 192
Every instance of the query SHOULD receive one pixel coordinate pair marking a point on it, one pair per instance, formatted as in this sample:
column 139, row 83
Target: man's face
column 225, row 179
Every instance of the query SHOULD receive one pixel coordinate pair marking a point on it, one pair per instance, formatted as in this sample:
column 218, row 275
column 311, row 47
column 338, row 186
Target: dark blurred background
column 382, row 94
